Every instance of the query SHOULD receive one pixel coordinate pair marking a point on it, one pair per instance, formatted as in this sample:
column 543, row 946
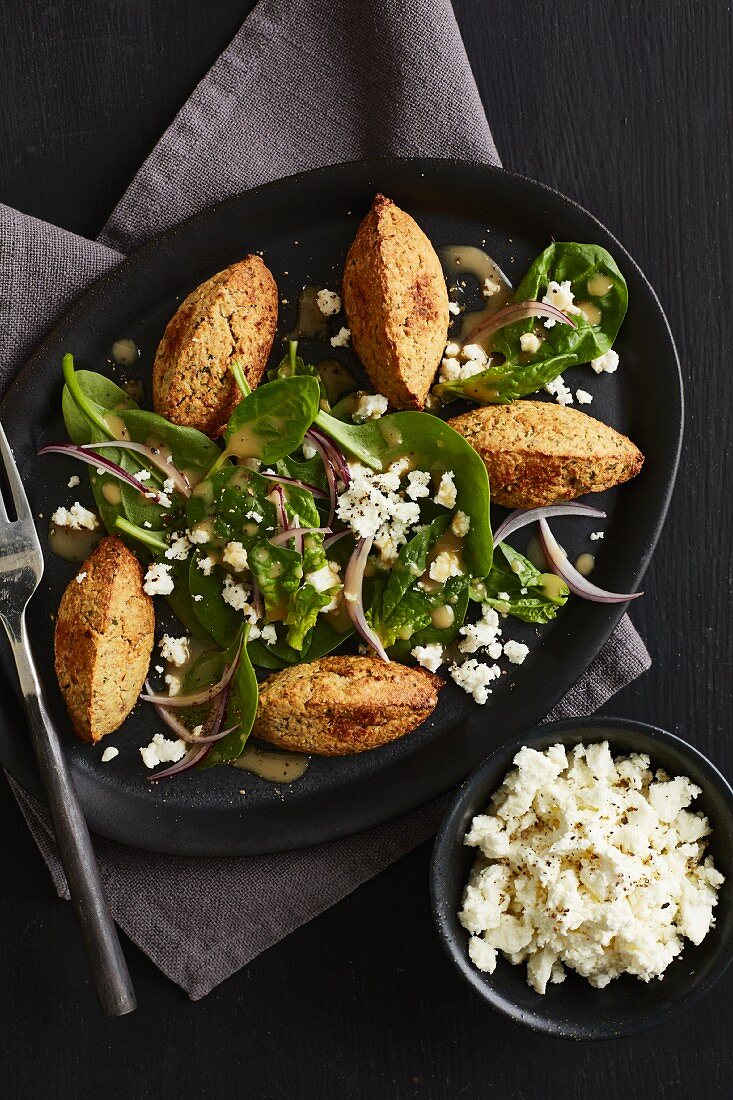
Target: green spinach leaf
column 533, row 597
column 272, row 421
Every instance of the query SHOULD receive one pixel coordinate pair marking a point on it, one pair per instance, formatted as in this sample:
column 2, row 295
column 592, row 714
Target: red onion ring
column 517, row 311
column 99, row 461
column 300, row 484
column 211, row 731
column 520, row 517
column 193, row 757
column 155, row 457
column 341, row 466
column 297, row 533
column 353, row 581
column 193, row 698
column 575, row 581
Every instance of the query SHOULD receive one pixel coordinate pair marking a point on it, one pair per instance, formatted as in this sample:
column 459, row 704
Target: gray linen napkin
column 304, row 83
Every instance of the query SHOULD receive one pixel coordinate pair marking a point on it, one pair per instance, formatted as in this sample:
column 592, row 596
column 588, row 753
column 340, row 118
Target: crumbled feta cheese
column 583, row 397
column 269, row 634
column 482, row 633
column 373, row 507
column 429, row 656
column 490, row 287
column 370, row 406
column 236, row 595
column 607, row 362
column 143, row 475
column 591, row 863
column 148, row 524
column 418, row 482
column 174, row 650
column 162, row 751
column 236, row 556
column 197, row 597
column 561, row 297
column 77, row 518
column 80, row 576
column 475, row 353
column 475, row 678
column 562, row 393
column 309, row 451
column 179, row 548
column 596, row 535
column 516, row 652
column 452, row 349
column 109, row 754
column 206, row 565
column 341, row 339
column 198, row 534
column 460, row 524
column 173, row 682
column 169, row 485
column 328, row 302
column 445, row 565
column 452, row 370
column 447, row 492
column 530, row 343
column 454, row 309
column 74, row 480
column 158, row 580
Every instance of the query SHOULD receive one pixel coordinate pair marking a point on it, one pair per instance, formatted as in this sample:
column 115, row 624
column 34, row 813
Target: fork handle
column 109, row 969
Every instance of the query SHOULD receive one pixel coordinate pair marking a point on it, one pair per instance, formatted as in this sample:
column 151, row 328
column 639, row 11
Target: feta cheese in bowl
column 596, row 867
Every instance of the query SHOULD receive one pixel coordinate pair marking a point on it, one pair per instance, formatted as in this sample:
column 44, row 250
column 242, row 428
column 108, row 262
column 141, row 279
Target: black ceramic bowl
column 574, row 1009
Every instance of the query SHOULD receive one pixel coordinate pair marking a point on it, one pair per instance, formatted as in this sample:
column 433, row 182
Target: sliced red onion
column 329, row 540
column 193, row 698
column 337, row 457
column 331, row 474
column 282, row 517
column 297, row 533
column 155, row 458
column 211, row 730
column 575, row 581
column 517, row 311
column 102, row 463
column 301, row 484
column 521, row 517
column 353, row 581
column 257, row 603
column 193, row 756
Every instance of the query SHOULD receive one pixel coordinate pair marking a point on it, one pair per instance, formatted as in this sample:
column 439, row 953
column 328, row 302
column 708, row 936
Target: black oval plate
column 228, row 812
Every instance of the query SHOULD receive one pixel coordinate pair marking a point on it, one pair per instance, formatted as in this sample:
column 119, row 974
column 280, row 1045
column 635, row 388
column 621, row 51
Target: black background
column 626, row 107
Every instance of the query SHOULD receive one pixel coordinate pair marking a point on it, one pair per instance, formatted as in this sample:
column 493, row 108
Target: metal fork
column 21, row 569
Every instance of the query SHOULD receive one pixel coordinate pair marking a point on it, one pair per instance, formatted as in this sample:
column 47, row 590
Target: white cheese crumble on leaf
column 530, row 343
column 236, row 556
column 370, row 406
column 158, row 580
column 561, row 297
column 447, row 492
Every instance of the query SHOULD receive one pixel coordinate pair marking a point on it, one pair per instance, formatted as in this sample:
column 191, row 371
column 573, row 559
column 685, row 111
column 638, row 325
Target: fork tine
column 22, row 507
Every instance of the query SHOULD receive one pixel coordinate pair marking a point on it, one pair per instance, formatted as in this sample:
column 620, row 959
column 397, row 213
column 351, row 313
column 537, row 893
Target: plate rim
column 366, row 166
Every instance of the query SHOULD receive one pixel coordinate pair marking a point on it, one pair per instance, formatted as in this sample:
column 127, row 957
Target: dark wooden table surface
column 627, row 107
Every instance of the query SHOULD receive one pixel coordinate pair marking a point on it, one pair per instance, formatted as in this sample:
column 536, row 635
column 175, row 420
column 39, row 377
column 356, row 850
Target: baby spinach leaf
column 272, row 421
column 432, row 445
column 241, row 709
column 597, row 285
column 534, row 597
column 218, row 617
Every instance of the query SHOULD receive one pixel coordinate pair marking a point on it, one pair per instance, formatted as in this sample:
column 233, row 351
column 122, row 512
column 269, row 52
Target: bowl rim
column 446, row 920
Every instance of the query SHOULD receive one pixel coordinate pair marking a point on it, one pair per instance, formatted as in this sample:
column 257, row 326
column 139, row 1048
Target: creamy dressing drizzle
column 585, row 563
column 275, row 767
column 310, row 323
column 73, row 545
column 459, row 260
column 125, row 352
column 599, row 285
